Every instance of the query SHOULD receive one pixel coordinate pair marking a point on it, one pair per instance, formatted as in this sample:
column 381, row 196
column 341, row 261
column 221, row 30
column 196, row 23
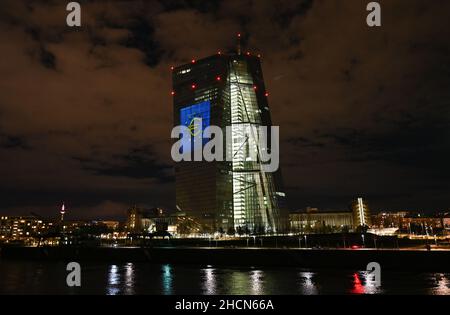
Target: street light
column 363, row 239
column 306, row 243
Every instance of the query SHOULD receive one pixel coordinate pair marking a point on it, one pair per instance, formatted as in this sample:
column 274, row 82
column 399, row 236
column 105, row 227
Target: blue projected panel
column 190, row 117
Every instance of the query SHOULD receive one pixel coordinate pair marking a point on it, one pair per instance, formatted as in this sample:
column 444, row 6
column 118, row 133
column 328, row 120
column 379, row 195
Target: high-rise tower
column 233, row 195
column 62, row 212
column 361, row 213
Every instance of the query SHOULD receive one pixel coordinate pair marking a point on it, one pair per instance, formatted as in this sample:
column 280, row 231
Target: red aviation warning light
column 193, row 86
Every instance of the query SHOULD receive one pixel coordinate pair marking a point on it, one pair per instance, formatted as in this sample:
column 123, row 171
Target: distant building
column 110, row 225
column 143, row 220
column 157, row 220
column 446, row 220
column 311, row 209
column 412, row 222
column 35, row 230
column 313, row 221
column 424, row 224
column 386, row 220
column 62, row 212
column 361, row 213
column 22, row 228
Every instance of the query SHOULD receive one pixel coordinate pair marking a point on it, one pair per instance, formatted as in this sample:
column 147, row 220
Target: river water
column 19, row 277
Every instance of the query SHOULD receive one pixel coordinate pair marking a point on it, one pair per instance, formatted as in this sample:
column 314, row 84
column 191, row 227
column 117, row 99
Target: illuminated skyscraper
column 62, row 212
column 361, row 213
column 234, row 195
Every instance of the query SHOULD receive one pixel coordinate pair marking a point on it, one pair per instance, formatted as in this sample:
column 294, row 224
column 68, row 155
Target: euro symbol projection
column 195, row 126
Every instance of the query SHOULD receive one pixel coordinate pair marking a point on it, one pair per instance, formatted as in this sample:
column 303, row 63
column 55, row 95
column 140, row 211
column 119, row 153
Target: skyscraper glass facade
column 233, row 195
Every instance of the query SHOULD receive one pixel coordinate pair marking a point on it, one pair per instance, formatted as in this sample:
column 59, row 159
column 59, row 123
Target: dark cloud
column 362, row 111
column 48, row 59
column 13, row 142
column 141, row 36
column 285, row 13
column 305, row 143
column 210, row 6
column 139, row 163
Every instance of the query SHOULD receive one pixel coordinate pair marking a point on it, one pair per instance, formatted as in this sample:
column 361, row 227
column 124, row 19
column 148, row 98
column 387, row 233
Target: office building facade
column 321, row 222
column 234, row 195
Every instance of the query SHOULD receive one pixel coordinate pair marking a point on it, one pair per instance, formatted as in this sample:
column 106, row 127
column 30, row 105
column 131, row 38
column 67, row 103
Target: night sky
column 86, row 114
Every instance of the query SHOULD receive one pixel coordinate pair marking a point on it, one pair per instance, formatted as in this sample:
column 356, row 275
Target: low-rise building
column 389, row 219
column 412, row 222
column 321, row 222
column 157, row 220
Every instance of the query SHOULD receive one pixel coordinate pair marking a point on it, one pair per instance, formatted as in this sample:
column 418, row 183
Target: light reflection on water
column 307, row 284
column 364, row 283
column 129, row 278
column 132, row 278
column 120, row 279
column 167, row 279
column 442, row 285
column 238, row 283
column 257, row 282
column 209, row 281
column 113, row 280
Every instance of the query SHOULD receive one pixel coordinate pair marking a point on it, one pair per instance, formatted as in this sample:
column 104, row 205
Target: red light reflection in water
column 358, row 288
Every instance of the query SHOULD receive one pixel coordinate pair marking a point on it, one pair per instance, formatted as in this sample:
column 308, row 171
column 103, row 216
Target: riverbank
column 420, row 260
